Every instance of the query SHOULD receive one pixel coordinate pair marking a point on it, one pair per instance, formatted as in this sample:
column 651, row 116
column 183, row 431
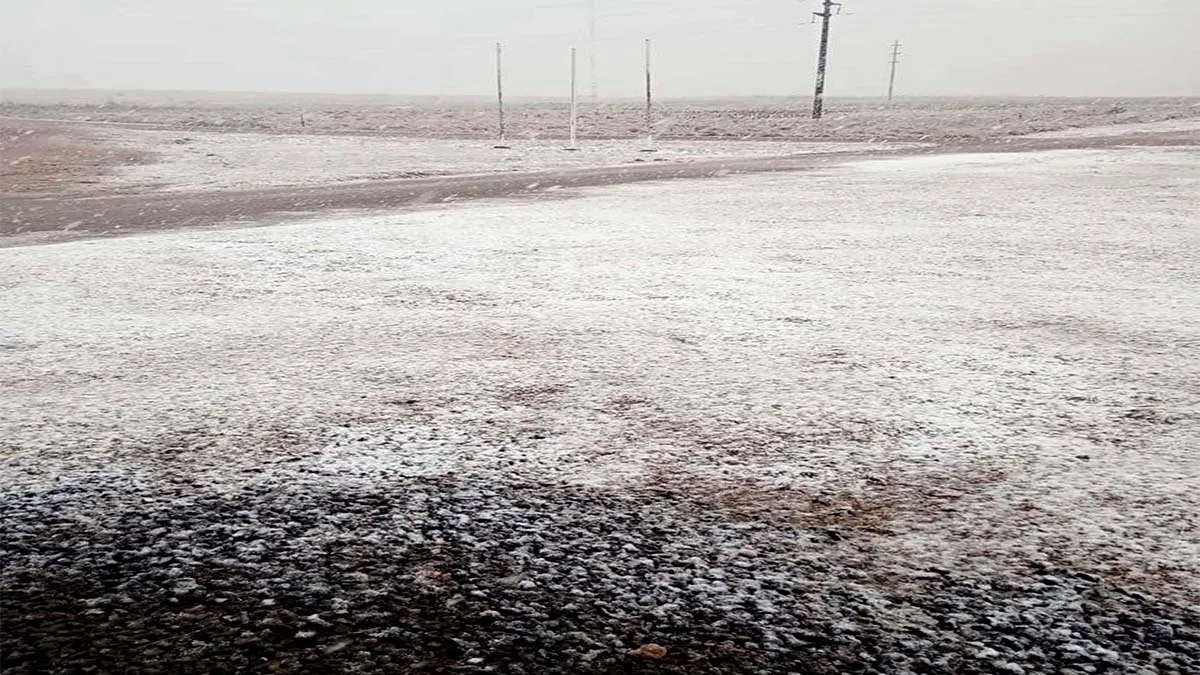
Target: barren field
column 215, row 161
column 913, row 120
column 932, row 414
column 54, row 158
column 100, row 143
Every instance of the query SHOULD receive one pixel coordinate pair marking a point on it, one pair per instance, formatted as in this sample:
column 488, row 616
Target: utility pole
column 500, row 144
column 574, row 108
column 826, row 14
column 649, row 102
column 592, row 53
column 895, row 60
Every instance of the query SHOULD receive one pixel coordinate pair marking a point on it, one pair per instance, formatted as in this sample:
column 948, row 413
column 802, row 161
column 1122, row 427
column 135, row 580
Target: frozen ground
column 1111, row 130
column 53, row 158
column 85, row 143
column 782, row 320
column 920, row 120
column 923, row 415
column 213, row 160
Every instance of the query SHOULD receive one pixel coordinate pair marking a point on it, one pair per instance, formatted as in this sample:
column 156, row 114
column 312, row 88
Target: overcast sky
column 702, row 47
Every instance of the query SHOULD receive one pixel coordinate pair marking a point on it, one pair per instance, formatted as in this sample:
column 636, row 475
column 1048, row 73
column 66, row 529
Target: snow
column 1110, row 130
column 865, row 119
column 189, row 161
column 975, row 359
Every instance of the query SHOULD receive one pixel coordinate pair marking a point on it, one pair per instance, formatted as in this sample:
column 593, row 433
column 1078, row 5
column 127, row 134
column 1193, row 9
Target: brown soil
column 39, row 158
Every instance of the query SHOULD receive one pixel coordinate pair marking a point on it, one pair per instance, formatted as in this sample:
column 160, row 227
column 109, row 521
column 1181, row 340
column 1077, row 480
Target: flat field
column 930, row 413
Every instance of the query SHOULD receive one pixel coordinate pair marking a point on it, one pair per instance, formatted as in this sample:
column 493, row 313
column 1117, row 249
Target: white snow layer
column 218, row 160
column 1188, row 124
column 978, row 358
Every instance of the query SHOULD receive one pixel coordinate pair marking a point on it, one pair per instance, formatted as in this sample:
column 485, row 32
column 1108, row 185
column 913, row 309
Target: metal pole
column 500, row 90
column 574, row 103
column 823, row 58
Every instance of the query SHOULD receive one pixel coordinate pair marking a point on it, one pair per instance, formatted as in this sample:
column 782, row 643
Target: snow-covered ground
column 866, row 119
column 216, row 160
column 1110, row 130
column 968, row 360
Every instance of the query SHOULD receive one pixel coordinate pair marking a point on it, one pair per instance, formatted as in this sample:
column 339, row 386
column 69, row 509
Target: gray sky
column 702, row 47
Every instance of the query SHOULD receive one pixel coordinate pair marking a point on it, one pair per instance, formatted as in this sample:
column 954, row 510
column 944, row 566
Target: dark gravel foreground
column 108, row 575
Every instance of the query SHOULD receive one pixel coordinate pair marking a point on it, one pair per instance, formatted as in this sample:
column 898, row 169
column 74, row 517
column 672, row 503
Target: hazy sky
column 702, row 47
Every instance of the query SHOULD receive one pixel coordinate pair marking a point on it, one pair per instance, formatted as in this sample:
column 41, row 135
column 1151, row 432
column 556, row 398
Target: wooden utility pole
column 826, row 14
column 892, row 79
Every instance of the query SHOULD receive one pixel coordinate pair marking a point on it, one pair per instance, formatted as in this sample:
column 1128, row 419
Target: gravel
column 300, row 572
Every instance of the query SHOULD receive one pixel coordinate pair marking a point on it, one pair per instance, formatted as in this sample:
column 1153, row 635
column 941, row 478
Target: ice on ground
column 970, row 360
column 214, row 161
